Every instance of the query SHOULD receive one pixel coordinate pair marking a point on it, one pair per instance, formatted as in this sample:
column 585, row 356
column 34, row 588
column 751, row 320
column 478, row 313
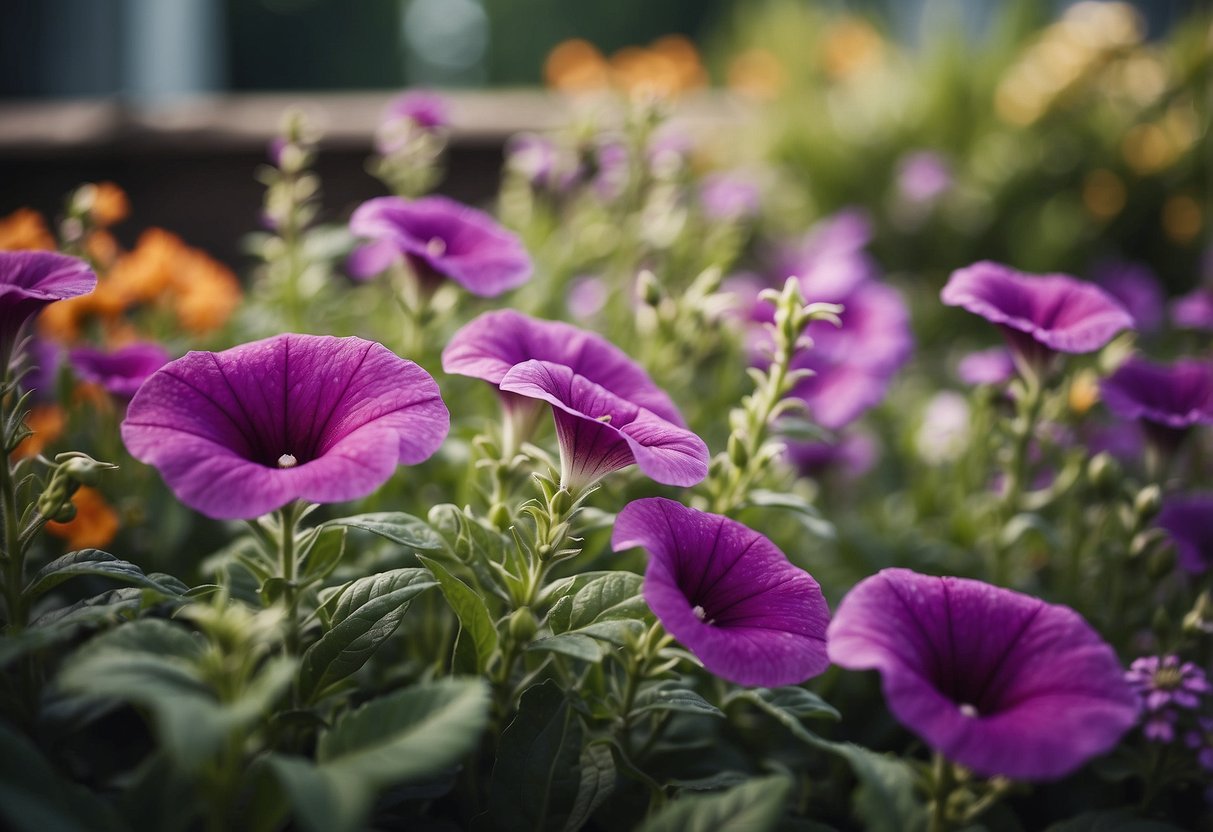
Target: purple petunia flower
column 923, row 176
column 1194, row 310
column 600, row 432
column 440, row 238
column 45, row 362
column 999, row 682
column 31, row 280
column 121, row 372
column 1167, row 399
column 1137, row 288
column 854, row 364
column 852, row 455
column 1186, row 519
column 727, row 593
column 831, row 261
column 542, row 162
column 990, row 366
column 415, row 110
column 729, row 196
column 1039, row 314
column 242, row 432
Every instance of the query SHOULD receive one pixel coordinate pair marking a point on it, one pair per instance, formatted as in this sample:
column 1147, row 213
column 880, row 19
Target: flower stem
column 1025, row 428
column 288, row 518
column 14, row 551
column 942, row 782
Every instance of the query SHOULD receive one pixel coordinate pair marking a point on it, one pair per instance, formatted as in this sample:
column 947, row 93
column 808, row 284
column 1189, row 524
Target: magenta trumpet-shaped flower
column 999, row 682
column 1186, row 519
column 122, row 371
column 1039, row 314
column 990, row 366
column 245, row 431
column 727, row 593
column 1167, row 399
column 440, row 238
column 31, row 280
column 600, row 432
column 832, row 260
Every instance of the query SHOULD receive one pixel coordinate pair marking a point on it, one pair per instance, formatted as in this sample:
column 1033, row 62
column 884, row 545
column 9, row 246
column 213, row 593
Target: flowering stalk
column 1023, row 428
column 749, row 452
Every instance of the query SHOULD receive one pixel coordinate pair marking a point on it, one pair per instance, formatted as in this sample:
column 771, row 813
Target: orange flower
column 575, row 65
column 102, row 248
column 25, row 229
column 757, row 73
column 48, row 422
column 95, row 524
column 145, row 273
column 110, row 205
column 206, row 293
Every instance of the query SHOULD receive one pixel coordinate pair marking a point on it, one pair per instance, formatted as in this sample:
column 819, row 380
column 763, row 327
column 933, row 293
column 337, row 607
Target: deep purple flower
column 1194, row 310
column 990, row 366
column 600, row 432
column 1039, row 314
column 854, row 364
column 122, row 371
column 923, row 176
column 45, row 362
column 1186, row 518
column 31, row 280
column 1167, row 399
column 851, row 454
column 1137, row 288
column 491, row 344
column 1160, row 727
column 440, row 238
column 999, row 682
column 242, row 432
column 831, row 260
column 1164, row 682
column 727, row 593
column 729, row 196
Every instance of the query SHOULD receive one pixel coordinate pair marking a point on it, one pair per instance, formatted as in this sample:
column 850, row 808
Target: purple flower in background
column 587, row 296
column 729, row 196
column 611, row 170
column 831, row 260
column 999, row 682
column 1164, row 682
column 923, row 176
column 1186, row 518
column 600, row 432
column 45, row 361
column 123, row 371
column 1039, row 314
column 1194, row 310
column 1201, row 741
column 1167, row 399
column 274, row 150
column 990, row 366
column 669, row 151
column 1137, row 288
column 30, row 281
column 727, row 593
column 415, row 110
column 855, row 363
column 852, row 454
column 440, row 238
column 242, row 432
column 542, row 162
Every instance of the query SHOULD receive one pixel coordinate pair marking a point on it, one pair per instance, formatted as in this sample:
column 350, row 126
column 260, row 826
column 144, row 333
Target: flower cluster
column 1166, row 688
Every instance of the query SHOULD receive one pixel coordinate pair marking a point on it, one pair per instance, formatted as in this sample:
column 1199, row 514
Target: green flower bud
column 1147, row 503
column 522, row 625
column 1103, row 472
column 738, row 454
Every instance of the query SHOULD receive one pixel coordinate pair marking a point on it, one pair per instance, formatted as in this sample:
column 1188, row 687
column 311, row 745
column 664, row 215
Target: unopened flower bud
column 522, row 625
column 499, row 516
column 1103, row 472
column 648, row 288
column 739, row 455
column 81, row 468
column 561, row 502
column 1199, row 620
column 1147, row 503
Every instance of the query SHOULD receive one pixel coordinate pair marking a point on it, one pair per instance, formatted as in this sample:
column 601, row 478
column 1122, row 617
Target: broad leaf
column 674, row 699
column 364, row 615
column 573, row 645
column 753, row 806
column 597, row 782
column 613, row 596
column 96, row 562
column 789, row 705
column 535, row 782
column 396, row 526
column 473, row 614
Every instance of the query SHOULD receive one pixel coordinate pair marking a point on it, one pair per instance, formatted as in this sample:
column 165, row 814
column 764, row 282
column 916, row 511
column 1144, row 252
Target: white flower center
column 436, row 247
column 700, row 612
column 287, row 461
column 967, row 709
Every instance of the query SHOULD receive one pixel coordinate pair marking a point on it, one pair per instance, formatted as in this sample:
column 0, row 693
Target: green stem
column 288, row 518
column 14, row 551
column 941, row 789
column 1029, row 415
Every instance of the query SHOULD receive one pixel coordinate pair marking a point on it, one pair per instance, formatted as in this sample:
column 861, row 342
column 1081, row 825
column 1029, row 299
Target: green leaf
column 806, row 513
column 396, row 526
column 676, row 699
column 34, row 798
column 613, row 596
column 407, row 735
column 1116, row 820
column 598, row 776
column 325, row 553
column 365, row 614
column 469, row 607
column 535, row 782
column 573, row 645
column 789, row 705
column 95, row 562
column 754, row 806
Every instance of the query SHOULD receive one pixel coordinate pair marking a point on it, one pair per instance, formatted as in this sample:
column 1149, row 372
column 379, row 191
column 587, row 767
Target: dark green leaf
column 597, row 769
column 754, row 806
column 573, row 645
column 397, row 527
column 469, row 607
column 535, row 781
column 613, row 596
column 787, row 704
column 325, row 553
column 364, row 615
column 93, row 562
column 677, row 699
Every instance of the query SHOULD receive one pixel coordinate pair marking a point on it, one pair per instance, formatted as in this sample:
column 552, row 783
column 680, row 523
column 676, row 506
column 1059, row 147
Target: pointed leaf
column 754, row 806
column 397, row 527
column 469, row 607
column 94, row 562
column 597, row 783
